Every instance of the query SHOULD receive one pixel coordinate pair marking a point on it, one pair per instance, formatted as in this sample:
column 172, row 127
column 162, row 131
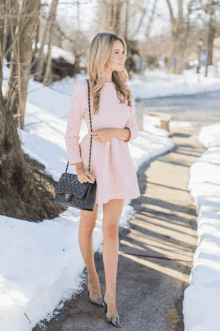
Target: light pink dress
column 111, row 162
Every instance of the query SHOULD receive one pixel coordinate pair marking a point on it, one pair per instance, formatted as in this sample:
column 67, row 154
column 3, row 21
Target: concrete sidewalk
column 155, row 253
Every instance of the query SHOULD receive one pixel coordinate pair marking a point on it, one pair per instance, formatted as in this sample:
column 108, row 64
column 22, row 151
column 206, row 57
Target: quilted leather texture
column 68, row 183
column 70, row 192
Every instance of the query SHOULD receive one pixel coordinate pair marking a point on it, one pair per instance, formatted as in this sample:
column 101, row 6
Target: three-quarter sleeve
column 76, row 112
column 131, row 123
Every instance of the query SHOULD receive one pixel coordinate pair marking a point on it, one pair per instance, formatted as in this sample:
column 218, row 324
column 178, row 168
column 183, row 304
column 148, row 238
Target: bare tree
column 150, row 21
column 207, row 12
column 210, row 10
column 21, row 192
column 46, row 38
column 184, row 39
column 21, row 57
column 78, row 44
column 5, row 25
column 180, row 26
column 109, row 15
column 143, row 13
column 35, row 51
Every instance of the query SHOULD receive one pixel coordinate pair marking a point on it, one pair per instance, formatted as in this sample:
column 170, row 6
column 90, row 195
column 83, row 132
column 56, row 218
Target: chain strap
column 90, row 121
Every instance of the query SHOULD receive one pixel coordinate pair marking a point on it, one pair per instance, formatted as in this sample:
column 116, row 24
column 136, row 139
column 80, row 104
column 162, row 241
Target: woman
column 113, row 126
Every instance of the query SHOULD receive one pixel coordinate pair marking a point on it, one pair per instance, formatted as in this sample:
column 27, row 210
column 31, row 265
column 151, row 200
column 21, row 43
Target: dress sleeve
column 131, row 123
column 76, row 112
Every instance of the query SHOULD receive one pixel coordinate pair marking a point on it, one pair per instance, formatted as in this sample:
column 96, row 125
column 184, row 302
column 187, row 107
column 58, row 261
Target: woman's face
column 118, row 57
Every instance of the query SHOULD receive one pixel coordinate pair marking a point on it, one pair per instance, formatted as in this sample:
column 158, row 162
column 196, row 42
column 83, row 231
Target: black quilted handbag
column 69, row 191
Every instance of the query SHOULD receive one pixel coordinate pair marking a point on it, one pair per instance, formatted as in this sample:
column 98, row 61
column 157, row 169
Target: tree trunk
column 47, row 79
column 16, row 94
column 109, row 16
column 178, row 34
column 6, row 27
column 150, row 21
column 211, row 39
column 20, row 192
column 184, row 40
column 37, row 32
column 2, row 36
column 22, row 195
column 126, row 21
column 40, row 55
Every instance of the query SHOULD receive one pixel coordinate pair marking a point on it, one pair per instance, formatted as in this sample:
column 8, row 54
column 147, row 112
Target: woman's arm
column 78, row 166
column 123, row 134
column 130, row 131
column 76, row 111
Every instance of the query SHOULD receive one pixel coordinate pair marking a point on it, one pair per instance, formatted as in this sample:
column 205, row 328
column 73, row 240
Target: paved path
column 155, row 253
column 200, row 108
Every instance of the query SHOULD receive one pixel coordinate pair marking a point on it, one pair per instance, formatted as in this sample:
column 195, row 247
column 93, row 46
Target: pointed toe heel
column 98, row 302
column 112, row 320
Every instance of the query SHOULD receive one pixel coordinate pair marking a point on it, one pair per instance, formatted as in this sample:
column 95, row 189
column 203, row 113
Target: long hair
column 100, row 51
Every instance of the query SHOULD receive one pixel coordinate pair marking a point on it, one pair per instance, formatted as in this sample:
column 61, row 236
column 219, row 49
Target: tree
column 109, row 16
column 21, row 56
column 176, row 29
column 47, row 36
column 150, row 21
column 210, row 10
column 21, row 192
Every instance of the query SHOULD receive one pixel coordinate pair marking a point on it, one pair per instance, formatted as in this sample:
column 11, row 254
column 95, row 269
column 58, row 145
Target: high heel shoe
column 112, row 320
column 98, row 301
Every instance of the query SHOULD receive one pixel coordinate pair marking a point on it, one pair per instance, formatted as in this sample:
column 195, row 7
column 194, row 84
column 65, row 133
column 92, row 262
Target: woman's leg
column 112, row 211
column 85, row 237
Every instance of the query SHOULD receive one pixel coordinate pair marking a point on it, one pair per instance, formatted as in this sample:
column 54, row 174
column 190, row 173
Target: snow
column 202, row 297
column 158, row 83
column 41, row 263
column 57, row 52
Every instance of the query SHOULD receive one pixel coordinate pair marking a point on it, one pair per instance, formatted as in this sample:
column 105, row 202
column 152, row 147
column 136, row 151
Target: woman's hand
column 85, row 176
column 103, row 135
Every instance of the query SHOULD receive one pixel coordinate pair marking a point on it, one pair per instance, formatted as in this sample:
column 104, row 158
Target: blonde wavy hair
column 100, row 51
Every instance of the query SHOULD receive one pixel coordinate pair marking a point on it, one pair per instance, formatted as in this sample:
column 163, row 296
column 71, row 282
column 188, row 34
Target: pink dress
column 111, row 162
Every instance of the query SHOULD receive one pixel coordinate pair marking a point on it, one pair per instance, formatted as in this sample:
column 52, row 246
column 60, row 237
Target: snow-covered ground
column 158, row 83
column 41, row 263
column 202, row 297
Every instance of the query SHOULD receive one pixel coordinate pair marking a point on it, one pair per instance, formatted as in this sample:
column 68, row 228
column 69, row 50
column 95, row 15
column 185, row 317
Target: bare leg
column 112, row 211
column 85, row 237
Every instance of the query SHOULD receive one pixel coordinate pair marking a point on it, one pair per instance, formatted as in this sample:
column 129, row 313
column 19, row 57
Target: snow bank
column 202, row 297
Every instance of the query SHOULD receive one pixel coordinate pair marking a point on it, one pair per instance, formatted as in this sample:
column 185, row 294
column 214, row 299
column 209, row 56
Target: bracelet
column 80, row 170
